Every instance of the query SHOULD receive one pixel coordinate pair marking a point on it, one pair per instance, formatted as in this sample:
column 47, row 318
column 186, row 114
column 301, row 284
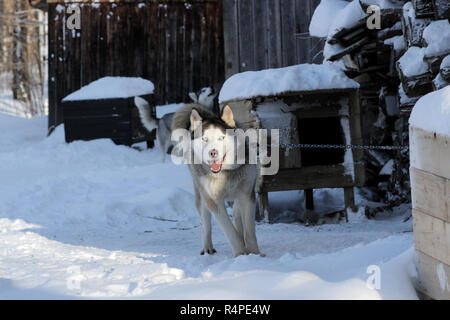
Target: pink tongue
column 216, row 166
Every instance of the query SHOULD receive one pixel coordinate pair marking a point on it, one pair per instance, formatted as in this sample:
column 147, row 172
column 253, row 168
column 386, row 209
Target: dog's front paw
column 208, row 251
column 243, row 252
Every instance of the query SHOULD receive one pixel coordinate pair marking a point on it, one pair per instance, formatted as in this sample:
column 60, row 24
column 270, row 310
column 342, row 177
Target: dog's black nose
column 213, row 153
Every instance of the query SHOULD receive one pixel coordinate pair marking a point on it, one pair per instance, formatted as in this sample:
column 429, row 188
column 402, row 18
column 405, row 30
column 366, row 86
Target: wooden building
column 179, row 45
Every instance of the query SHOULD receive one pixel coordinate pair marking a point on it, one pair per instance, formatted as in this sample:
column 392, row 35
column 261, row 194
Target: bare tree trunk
column 21, row 75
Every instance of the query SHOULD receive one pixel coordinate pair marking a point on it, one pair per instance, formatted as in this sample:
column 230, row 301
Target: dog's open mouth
column 216, row 166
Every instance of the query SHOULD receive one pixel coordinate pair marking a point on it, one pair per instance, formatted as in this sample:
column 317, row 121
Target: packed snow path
column 95, row 220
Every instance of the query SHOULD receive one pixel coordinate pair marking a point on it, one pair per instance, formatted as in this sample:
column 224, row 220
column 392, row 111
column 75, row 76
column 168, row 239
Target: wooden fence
column 261, row 34
column 176, row 44
column 180, row 45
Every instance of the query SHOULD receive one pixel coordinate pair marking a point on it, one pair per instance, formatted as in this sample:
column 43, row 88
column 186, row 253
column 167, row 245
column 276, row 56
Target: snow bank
column 412, row 63
column 112, row 87
column 91, row 219
column 432, row 112
column 303, row 77
column 324, row 15
column 437, row 37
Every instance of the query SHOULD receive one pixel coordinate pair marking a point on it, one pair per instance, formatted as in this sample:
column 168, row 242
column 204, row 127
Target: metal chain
column 340, row 146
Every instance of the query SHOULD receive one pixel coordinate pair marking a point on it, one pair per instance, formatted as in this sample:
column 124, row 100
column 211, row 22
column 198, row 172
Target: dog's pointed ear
column 196, row 120
column 193, row 96
column 228, row 117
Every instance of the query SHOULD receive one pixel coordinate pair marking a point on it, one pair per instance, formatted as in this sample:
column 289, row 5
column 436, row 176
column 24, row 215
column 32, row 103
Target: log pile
column 395, row 66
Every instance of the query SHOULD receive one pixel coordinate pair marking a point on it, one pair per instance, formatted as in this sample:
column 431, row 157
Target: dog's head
column 212, row 140
column 204, row 96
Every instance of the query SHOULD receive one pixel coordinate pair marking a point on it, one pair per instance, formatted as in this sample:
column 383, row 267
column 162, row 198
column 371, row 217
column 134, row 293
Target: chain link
column 340, row 146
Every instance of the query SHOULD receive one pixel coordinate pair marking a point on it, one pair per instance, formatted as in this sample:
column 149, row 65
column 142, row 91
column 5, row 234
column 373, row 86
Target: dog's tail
column 145, row 113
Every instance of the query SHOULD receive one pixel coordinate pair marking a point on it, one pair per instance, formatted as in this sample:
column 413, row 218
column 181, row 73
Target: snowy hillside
column 92, row 219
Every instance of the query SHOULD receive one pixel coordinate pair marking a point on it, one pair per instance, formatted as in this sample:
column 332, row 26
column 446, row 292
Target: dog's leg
column 237, row 218
column 205, row 216
column 234, row 238
column 220, row 214
column 247, row 207
column 164, row 152
column 162, row 144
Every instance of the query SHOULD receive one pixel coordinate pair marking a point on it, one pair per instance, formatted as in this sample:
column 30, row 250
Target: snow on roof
column 271, row 82
column 112, row 87
column 412, row 63
column 324, row 15
column 437, row 37
column 432, row 112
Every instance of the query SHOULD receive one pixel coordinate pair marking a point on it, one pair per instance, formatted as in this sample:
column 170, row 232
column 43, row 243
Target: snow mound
column 324, row 15
column 112, row 87
column 270, row 82
column 398, row 44
column 446, row 62
column 92, row 219
column 437, row 37
column 348, row 17
column 412, row 63
column 432, row 112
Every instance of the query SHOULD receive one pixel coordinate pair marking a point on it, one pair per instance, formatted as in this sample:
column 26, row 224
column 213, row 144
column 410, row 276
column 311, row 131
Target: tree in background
column 22, row 53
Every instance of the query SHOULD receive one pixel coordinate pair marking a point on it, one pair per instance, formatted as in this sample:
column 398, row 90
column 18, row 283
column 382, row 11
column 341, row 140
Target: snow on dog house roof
column 272, row 82
column 432, row 112
column 111, row 88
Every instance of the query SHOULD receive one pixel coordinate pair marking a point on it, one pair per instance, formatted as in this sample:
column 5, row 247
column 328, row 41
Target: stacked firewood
column 395, row 65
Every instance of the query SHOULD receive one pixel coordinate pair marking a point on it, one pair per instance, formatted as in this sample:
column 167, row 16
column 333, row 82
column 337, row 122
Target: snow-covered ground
column 95, row 220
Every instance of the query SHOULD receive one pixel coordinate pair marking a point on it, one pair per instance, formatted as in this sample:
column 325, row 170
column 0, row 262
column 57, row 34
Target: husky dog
column 217, row 178
column 205, row 97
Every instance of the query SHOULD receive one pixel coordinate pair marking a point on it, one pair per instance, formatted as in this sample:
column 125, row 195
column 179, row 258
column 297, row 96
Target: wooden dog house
column 105, row 109
column 307, row 107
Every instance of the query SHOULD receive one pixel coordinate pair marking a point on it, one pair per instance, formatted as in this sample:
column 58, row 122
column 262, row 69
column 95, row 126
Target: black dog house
column 105, row 109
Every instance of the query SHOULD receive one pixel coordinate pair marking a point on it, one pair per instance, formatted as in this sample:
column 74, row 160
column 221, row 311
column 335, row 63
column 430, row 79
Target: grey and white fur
column 218, row 179
column 205, row 97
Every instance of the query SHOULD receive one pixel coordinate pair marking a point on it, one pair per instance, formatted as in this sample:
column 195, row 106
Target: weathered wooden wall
column 176, row 44
column 261, row 34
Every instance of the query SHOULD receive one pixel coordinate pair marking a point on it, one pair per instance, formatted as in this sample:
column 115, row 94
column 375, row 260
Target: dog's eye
column 205, row 139
column 221, row 138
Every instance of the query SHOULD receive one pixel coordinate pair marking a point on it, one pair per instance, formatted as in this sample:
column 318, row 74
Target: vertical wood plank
column 302, row 39
column 273, row 30
column 260, row 36
column 246, row 35
column 52, row 62
column 288, row 32
column 231, row 37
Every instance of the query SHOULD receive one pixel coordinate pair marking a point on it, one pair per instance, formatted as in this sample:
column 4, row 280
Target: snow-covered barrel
column 309, row 104
column 430, row 183
column 105, row 109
